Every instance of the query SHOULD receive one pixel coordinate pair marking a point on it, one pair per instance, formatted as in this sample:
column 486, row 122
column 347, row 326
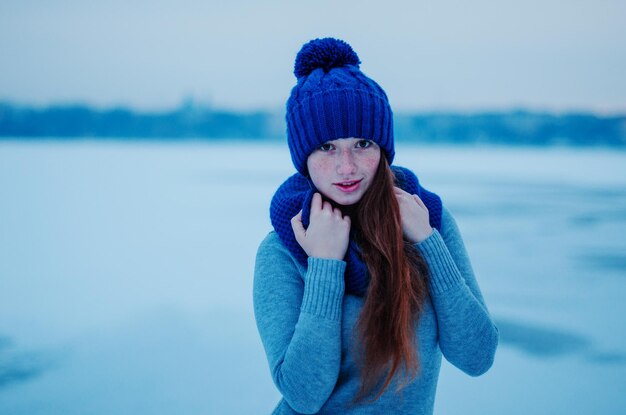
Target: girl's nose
column 345, row 163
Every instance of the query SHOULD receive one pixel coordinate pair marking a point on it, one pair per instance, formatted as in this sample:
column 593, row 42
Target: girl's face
column 343, row 169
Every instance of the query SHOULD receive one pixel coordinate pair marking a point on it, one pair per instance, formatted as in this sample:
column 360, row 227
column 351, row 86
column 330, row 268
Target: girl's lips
column 348, row 186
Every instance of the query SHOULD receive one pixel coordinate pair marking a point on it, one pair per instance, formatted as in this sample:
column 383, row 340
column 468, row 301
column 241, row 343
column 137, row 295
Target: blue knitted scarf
column 296, row 193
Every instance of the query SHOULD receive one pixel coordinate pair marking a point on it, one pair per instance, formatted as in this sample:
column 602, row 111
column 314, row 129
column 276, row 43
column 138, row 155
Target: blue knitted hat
column 334, row 99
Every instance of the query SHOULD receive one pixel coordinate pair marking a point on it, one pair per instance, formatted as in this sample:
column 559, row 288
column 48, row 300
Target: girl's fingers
column 337, row 213
column 297, row 226
column 319, row 205
column 399, row 191
column 420, row 202
column 316, row 203
column 346, row 219
column 328, row 233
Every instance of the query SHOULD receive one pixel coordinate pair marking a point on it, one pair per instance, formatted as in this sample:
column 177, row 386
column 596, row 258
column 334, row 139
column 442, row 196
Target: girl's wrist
column 422, row 238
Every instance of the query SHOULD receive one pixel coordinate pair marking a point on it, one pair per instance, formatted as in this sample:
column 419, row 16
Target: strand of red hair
column 396, row 293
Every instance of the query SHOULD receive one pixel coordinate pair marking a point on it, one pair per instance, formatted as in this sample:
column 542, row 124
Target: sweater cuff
column 443, row 272
column 323, row 288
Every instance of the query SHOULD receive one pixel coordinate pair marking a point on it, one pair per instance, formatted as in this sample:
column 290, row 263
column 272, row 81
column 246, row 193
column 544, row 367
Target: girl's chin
column 346, row 199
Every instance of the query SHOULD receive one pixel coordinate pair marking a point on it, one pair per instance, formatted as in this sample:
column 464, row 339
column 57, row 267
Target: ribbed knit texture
column 438, row 258
column 296, row 193
column 318, row 117
column 334, row 99
column 324, row 288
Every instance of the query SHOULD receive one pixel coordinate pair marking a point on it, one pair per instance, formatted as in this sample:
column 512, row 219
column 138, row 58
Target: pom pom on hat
column 326, row 53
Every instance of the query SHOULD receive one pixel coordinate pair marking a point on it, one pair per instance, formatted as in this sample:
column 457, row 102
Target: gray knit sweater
column 307, row 326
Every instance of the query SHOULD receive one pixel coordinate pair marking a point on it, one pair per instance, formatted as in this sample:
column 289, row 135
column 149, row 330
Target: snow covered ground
column 126, row 275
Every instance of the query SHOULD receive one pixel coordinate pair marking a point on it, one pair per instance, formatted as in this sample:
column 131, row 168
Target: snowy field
column 126, row 276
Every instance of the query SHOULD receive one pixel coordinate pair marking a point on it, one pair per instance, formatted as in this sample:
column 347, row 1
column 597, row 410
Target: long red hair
column 396, row 293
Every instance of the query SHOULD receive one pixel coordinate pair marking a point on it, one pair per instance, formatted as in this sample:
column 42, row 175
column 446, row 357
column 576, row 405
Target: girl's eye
column 363, row 144
column 326, row 147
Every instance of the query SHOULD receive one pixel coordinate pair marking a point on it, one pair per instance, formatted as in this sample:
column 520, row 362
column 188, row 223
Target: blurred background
column 141, row 143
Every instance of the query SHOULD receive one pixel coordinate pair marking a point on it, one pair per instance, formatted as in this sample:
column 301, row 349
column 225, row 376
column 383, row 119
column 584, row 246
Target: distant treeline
column 193, row 122
column 80, row 121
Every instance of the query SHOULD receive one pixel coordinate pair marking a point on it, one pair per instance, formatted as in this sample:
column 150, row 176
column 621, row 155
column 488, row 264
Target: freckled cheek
column 371, row 163
column 319, row 166
column 320, row 170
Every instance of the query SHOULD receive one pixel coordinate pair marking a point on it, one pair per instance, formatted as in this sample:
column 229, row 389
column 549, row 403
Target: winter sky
column 449, row 54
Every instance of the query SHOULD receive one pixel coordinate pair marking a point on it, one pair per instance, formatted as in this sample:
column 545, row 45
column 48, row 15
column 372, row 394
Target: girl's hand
column 328, row 233
column 414, row 213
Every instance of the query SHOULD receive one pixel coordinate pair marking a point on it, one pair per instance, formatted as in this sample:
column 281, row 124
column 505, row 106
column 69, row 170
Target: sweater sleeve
column 299, row 322
column 468, row 336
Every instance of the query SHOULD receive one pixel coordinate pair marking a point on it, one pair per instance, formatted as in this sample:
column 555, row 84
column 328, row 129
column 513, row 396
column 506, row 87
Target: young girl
column 364, row 282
